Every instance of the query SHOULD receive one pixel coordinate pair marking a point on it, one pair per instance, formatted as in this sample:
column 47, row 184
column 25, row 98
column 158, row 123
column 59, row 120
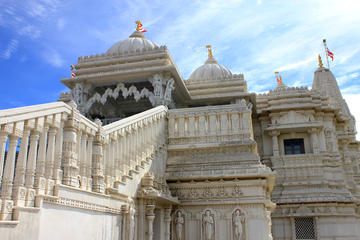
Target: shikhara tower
column 134, row 151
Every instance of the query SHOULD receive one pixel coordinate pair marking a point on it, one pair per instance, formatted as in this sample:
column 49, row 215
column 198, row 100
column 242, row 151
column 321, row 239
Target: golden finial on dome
column 320, row 62
column 278, row 78
column 139, row 27
column 210, row 51
column 138, row 23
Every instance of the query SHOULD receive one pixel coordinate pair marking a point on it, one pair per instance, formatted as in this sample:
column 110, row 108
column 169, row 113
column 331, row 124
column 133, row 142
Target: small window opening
column 294, row 146
column 305, row 228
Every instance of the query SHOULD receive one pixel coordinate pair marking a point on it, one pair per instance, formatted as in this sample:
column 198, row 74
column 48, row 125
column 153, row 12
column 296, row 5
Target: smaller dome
column 136, row 41
column 211, row 70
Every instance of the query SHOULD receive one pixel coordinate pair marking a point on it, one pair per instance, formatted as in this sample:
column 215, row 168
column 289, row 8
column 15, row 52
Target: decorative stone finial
column 211, row 59
column 278, row 78
column 210, row 51
column 320, row 61
column 139, row 27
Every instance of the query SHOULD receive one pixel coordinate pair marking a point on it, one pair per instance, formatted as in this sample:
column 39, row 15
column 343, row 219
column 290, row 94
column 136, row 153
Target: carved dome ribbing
column 211, row 70
column 136, row 41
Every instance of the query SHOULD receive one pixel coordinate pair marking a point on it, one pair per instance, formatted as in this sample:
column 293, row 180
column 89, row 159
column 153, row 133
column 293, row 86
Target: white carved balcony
column 210, row 126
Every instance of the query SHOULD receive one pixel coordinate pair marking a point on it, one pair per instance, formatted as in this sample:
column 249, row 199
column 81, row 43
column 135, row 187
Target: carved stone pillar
column 7, row 184
column 3, row 140
column 124, row 214
column 70, row 156
column 150, row 216
column 83, row 162
column 314, row 140
column 167, row 219
column 57, row 173
column 19, row 190
column 30, row 168
column 98, row 184
column 275, row 143
column 40, row 181
column 89, row 162
column 50, row 159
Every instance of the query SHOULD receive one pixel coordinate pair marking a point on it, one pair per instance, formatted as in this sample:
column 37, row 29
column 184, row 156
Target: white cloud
column 346, row 78
column 53, row 57
column 296, row 65
column 353, row 89
column 10, row 49
column 61, row 24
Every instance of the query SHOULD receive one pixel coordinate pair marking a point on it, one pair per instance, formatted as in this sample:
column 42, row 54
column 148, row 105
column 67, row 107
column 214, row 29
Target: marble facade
column 133, row 151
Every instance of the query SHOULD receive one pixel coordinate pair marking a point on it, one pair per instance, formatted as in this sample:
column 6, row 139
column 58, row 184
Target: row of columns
column 35, row 164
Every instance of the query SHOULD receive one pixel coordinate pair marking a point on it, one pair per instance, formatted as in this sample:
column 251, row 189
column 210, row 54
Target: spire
column 211, row 59
column 325, row 83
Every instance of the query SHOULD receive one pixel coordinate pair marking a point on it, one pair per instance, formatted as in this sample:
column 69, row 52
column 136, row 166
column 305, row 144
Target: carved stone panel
column 208, row 225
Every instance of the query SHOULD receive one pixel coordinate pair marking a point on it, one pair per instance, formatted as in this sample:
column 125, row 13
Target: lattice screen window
column 305, row 228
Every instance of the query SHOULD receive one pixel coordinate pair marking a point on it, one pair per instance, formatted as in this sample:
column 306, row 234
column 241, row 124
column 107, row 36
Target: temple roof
column 211, row 70
column 135, row 42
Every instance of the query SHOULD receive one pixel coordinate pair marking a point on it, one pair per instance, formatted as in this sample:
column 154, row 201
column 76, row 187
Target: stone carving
column 126, row 92
column 162, row 96
column 157, row 84
column 79, row 95
column 158, row 97
column 168, row 90
column 238, row 222
column 208, row 226
column 179, row 225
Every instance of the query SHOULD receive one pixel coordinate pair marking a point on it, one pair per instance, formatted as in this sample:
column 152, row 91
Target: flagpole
column 326, row 54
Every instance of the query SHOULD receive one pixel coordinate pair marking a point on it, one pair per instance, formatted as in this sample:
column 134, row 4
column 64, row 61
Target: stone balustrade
column 131, row 142
column 211, row 124
column 49, row 144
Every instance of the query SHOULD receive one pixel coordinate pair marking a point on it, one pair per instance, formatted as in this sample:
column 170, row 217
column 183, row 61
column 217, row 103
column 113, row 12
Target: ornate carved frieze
column 209, row 191
column 162, row 94
column 73, row 203
column 326, row 209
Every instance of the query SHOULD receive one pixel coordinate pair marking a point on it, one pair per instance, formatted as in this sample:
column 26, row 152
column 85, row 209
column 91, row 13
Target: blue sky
column 40, row 39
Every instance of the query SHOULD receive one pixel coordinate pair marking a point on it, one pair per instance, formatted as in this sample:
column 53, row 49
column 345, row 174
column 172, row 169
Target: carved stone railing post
column 40, row 181
column 3, row 140
column 19, row 191
column 98, row 184
column 50, row 159
column 89, row 150
column 7, row 184
column 30, row 167
column 167, row 219
column 150, row 216
column 70, row 156
column 58, row 173
column 83, row 162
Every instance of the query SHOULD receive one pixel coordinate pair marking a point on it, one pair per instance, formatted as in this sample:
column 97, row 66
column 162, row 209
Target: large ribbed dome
column 136, row 41
column 211, row 70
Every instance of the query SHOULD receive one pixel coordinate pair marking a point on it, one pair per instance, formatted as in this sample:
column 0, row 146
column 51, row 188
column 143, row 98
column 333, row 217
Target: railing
column 60, row 146
column 133, row 141
column 210, row 124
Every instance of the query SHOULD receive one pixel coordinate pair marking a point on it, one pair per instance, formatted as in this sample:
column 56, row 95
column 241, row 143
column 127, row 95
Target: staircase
column 56, row 155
